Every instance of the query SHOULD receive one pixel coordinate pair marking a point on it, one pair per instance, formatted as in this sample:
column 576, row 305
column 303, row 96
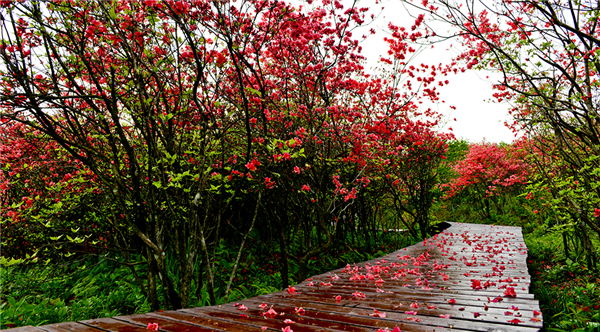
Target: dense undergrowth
column 568, row 291
column 43, row 294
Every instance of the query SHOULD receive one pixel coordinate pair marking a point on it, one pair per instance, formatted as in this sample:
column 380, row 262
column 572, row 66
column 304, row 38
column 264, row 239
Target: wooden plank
column 28, row 328
column 321, row 320
column 68, row 326
column 426, row 316
column 110, row 324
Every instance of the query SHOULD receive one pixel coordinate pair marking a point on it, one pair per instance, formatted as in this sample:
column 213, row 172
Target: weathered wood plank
column 26, row 329
column 69, row 326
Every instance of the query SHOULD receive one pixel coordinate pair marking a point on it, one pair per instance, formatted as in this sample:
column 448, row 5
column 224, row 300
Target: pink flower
column 378, row 314
column 299, row 310
column 263, row 327
column 263, row 306
column 410, row 312
column 242, row 307
column 289, row 321
column 153, row 326
column 358, row 295
column 291, row 290
column 271, row 313
column 305, row 187
column 287, row 329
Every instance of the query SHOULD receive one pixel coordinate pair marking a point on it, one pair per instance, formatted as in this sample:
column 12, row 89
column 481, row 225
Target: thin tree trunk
column 239, row 255
column 152, row 295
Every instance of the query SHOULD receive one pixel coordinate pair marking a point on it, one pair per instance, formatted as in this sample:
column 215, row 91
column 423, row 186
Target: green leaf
column 112, row 14
column 12, row 261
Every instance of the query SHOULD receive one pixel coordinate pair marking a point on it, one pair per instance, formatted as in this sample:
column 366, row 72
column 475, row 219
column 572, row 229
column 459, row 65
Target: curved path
column 470, row 277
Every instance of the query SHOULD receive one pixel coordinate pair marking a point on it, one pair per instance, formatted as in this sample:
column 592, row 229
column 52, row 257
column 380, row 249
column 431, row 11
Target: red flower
column 596, row 212
column 271, row 313
column 510, row 292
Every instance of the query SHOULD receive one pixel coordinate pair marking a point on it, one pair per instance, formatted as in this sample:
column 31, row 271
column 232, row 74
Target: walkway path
column 468, row 278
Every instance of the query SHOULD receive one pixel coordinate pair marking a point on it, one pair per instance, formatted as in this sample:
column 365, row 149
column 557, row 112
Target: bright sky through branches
column 469, row 92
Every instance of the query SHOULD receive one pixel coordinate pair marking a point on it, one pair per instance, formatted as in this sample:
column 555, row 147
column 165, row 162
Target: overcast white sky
column 469, row 92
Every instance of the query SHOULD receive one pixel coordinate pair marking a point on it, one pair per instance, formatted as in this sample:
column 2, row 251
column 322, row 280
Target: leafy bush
column 569, row 293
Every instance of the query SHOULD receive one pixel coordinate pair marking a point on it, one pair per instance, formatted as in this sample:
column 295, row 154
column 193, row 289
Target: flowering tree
column 547, row 54
column 182, row 114
column 37, row 179
column 177, row 108
column 488, row 174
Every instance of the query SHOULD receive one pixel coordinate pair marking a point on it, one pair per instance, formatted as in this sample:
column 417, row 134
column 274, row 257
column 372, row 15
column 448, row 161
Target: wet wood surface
column 470, row 277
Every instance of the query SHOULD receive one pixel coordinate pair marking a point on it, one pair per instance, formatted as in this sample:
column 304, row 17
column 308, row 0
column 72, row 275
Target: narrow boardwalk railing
column 470, row 277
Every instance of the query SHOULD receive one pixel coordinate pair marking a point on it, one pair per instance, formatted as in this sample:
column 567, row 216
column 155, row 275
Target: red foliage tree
column 188, row 114
column 488, row 172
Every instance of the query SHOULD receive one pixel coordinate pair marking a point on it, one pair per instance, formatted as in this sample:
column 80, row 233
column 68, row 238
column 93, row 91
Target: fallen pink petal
column 377, row 313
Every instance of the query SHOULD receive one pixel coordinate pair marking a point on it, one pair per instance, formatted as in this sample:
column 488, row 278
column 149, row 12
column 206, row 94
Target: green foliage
column 72, row 292
column 569, row 293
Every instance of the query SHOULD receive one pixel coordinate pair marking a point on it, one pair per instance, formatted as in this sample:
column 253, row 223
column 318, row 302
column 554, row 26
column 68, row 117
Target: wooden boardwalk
column 468, row 278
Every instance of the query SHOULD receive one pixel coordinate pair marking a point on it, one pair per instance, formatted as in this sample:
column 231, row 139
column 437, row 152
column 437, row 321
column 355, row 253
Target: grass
column 37, row 295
